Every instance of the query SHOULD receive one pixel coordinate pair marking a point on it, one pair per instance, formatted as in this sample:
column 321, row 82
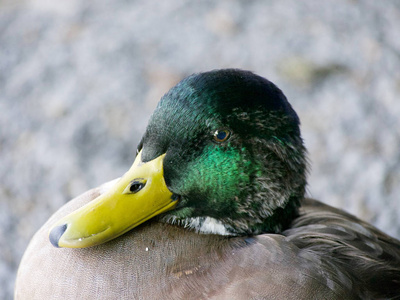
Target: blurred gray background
column 79, row 79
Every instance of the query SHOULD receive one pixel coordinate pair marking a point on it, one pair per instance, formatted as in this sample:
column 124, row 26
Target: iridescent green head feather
column 252, row 181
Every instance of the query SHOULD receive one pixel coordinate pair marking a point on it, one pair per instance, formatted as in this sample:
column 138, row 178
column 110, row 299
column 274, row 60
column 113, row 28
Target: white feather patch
column 208, row 225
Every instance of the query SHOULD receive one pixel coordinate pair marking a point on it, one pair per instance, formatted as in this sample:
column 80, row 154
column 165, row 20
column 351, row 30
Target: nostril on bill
column 136, row 186
column 56, row 234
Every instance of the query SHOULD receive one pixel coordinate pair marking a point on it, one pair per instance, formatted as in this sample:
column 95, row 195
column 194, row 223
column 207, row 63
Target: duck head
column 222, row 154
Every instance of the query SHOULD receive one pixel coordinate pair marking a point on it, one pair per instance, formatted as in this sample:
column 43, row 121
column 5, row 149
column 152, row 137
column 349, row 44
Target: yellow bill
column 139, row 195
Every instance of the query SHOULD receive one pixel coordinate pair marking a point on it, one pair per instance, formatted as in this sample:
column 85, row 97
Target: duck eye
column 221, row 135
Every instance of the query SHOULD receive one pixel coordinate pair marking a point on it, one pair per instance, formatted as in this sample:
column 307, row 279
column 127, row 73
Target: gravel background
column 78, row 80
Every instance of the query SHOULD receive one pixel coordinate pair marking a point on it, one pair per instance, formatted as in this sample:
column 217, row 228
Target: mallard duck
column 213, row 207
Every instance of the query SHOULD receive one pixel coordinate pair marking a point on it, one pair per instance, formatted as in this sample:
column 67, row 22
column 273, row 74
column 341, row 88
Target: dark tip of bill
column 56, row 234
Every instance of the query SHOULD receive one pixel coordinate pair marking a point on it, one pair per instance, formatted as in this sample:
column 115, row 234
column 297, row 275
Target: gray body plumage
column 327, row 254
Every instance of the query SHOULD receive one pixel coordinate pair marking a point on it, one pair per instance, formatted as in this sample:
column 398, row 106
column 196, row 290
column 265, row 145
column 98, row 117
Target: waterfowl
column 213, row 207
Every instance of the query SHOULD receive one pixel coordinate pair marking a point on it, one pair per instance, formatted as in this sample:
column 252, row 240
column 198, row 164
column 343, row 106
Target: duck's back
column 349, row 247
column 160, row 261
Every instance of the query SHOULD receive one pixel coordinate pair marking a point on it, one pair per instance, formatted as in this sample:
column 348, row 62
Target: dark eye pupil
column 221, row 135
